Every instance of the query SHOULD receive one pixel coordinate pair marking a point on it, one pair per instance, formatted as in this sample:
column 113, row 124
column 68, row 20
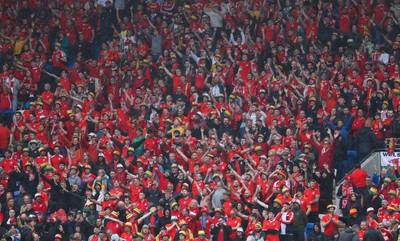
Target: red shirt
column 86, row 29
column 115, row 227
column 5, row 101
column 312, row 194
column 47, row 96
column 39, row 206
column 55, row 58
column 331, row 226
column 9, row 164
column 358, row 177
column 184, row 202
column 4, row 134
column 56, row 159
column 272, row 225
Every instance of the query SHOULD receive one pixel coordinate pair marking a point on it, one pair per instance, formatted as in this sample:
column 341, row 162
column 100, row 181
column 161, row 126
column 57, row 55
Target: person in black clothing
column 27, row 230
column 221, row 229
column 317, row 235
column 395, row 127
column 58, row 193
column 224, row 128
column 285, row 162
column 76, row 198
column 325, row 180
column 373, row 235
column 154, row 194
column 100, row 164
column 239, row 235
column 28, row 178
column 354, row 218
column 365, row 141
column 165, row 219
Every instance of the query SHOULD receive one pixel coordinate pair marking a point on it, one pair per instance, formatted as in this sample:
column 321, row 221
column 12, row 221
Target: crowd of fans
column 197, row 119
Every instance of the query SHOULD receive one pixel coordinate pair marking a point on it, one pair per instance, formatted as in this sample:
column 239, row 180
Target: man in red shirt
column 87, row 31
column 9, row 163
column 271, row 226
column 58, row 59
column 4, row 134
column 47, row 98
column 6, row 103
column 185, row 200
column 57, row 158
column 39, row 204
column 312, row 194
column 358, row 177
column 330, row 221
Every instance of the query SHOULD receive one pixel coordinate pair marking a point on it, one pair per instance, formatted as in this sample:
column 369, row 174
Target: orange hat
column 285, row 189
column 282, row 173
column 353, row 211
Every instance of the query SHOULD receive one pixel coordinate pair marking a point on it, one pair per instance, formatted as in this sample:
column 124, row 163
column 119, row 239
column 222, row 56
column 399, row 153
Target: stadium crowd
column 197, row 119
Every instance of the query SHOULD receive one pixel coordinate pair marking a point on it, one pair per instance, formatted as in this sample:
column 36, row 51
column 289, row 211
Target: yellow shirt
column 18, row 45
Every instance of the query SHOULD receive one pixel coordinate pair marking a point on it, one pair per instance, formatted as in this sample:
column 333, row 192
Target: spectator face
column 11, row 213
column 27, row 199
column 384, row 203
column 312, row 184
column 363, row 225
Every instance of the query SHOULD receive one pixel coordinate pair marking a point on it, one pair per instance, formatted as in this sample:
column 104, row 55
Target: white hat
column 38, row 195
column 114, row 237
column 296, row 201
column 239, row 229
column 370, row 209
column 92, row 134
column 120, row 165
column 199, row 114
column 101, row 154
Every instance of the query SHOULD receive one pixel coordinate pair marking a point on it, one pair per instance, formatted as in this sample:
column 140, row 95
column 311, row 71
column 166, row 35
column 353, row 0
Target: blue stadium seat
column 309, row 229
column 351, row 159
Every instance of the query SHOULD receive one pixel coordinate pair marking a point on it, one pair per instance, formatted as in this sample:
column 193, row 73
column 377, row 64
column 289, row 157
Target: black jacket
column 58, row 197
column 227, row 230
column 26, row 234
column 395, row 128
column 326, row 185
column 348, row 235
column 373, row 235
column 300, row 220
column 239, row 239
column 365, row 140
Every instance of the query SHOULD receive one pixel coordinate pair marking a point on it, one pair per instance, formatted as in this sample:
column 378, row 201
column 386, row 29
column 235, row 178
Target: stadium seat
column 351, row 159
column 309, row 229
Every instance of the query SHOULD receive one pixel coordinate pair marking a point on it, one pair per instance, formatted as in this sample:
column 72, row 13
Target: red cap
column 204, row 209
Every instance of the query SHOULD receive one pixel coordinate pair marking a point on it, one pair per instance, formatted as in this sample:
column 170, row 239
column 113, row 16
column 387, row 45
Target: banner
column 390, row 159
